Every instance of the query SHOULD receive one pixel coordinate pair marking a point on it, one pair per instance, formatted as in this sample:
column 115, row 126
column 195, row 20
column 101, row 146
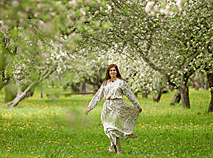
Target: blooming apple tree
column 170, row 36
column 86, row 67
column 38, row 38
column 136, row 71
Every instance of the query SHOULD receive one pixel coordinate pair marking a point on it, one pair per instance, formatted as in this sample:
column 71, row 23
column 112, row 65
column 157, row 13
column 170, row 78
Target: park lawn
column 58, row 128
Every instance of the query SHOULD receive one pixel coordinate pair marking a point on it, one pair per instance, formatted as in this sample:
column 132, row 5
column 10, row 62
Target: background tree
column 141, row 77
column 165, row 35
column 38, row 37
column 83, row 70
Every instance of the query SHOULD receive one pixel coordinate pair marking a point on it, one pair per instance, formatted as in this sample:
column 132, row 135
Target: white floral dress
column 118, row 117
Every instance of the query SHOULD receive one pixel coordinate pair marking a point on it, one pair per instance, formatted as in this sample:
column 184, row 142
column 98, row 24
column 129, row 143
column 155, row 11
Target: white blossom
column 149, row 5
column 178, row 3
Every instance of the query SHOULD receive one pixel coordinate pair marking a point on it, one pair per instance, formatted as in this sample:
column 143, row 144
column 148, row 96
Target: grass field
column 58, row 128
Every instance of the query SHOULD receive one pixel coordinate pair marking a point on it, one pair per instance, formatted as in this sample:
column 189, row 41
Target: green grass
column 58, row 128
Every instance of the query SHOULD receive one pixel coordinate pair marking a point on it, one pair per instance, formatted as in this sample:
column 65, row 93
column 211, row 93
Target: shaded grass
column 59, row 128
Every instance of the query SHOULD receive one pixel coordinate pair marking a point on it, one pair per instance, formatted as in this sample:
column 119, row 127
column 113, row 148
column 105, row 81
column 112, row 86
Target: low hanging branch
column 21, row 95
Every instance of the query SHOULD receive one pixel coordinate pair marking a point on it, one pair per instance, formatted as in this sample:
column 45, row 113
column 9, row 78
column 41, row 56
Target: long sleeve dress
column 118, row 117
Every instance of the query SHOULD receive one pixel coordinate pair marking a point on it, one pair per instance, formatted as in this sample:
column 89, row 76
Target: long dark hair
column 109, row 77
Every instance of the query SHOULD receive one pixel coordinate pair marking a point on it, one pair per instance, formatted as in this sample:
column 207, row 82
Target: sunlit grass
column 59, row 128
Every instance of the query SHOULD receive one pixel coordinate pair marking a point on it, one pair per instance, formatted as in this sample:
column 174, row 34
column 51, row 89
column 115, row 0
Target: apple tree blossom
column 89, row 69
column 170, row 36
column 37, row 38
column 136, row 72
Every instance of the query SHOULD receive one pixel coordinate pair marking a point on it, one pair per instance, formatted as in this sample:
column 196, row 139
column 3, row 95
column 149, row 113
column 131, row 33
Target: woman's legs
column 118, row 146
column 115, row 145
column 112, row 148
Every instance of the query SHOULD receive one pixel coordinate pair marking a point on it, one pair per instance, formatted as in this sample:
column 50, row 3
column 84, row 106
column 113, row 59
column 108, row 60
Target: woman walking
column 118, row 117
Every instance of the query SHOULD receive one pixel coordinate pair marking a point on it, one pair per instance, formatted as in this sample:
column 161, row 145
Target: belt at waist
column 114, row 99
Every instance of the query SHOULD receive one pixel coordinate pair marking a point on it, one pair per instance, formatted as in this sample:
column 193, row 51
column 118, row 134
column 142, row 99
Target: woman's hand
column 140, row 109
column 87, row 111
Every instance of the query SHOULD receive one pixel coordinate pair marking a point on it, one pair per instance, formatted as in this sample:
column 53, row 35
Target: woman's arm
column 130, row 95
column 96, row 99
column 87, row 111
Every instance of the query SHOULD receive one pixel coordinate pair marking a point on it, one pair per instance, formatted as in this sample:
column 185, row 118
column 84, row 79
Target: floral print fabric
column 118, row 117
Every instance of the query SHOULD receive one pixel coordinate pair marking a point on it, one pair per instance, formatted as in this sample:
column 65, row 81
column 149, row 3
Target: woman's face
column 113, row 72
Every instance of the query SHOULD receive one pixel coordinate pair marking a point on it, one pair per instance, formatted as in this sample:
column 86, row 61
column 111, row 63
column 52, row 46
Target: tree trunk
column 22, row 94
column 17, row 99
column 95, row 88
column 87, row 88
column 145, row 95
column 158, row 96
column 83, row 87
column 210, row 81
column 192, row 78
column 184, row 94
column 176, row 98
column 211, row 103
column 202, row 80
column 171, row 88
column 207, row 84
column 29, row 94
column 197, row 80
column 75, row 87
column 136, row 94
column 65, row 86
column 10, row 92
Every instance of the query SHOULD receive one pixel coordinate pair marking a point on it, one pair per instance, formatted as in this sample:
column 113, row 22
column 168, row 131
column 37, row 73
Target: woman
column 118, row 117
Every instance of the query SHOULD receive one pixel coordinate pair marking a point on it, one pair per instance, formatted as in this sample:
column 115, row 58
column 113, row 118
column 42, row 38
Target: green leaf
column 107, row 25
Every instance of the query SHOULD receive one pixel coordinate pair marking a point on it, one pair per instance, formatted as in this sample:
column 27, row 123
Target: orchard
column 64, row 47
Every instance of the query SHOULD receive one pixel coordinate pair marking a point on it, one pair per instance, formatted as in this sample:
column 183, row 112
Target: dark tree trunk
column 202, row 80
column 75, row 87
column 83, row 87
column 184, row 94
column 136, row 94
column 211, row 103
column 87, row 88
column 176, row 98
column 145, row 95
column 207, row 84
column 158, row 96
column 192, row 78
column 210, row 81
column 95, row 88
column 29, row 94
column 171, row 88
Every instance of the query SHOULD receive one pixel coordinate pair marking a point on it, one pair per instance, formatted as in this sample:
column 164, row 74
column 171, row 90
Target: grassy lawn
column 58, row 128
